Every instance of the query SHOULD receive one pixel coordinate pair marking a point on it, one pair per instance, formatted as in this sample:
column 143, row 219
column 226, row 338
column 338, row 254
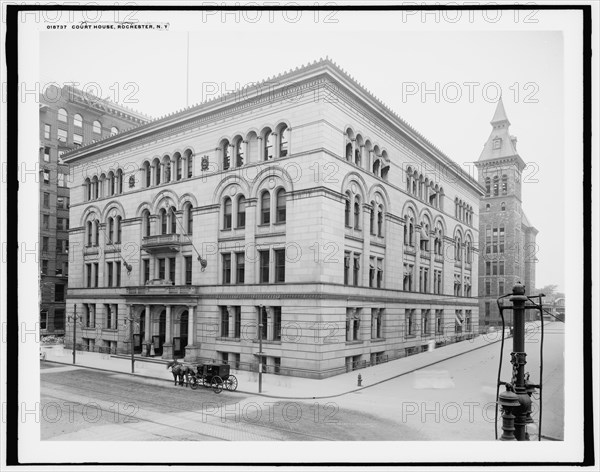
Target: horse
column 182, row 371
column 176, row 370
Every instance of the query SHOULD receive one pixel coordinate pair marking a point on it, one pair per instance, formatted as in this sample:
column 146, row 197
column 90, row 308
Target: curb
column 288, row 397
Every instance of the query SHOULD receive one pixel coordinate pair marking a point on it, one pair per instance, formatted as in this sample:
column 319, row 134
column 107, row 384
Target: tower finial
column 500, row 113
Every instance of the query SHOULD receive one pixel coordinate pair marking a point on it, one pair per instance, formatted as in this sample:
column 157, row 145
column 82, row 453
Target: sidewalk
column 280, row 386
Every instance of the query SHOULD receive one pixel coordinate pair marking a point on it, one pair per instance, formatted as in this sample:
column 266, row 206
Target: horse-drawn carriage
column 215, row 376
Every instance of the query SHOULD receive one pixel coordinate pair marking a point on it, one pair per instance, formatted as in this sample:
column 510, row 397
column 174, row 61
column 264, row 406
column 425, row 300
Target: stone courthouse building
column 302, row 211
column 506, row 237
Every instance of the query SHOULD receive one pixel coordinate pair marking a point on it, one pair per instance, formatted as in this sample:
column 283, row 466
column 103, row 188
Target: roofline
column 303, row 72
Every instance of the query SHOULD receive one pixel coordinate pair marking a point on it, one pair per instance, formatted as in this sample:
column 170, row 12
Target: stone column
column 168, row 345
column 233, row 157
column 192, row 351
column 147, row 340
column 152, row 175
column 260, row 150
column 270, row 322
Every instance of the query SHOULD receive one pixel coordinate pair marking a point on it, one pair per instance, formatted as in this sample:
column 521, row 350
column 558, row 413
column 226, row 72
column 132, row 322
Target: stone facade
column 307, row 207
column 68, row 118
column 506, row 238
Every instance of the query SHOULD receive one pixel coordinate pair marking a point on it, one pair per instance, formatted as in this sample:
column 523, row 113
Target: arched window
column 268, row 145
column 111, row 228
column 376, row 167
column 283, row 141
column 348, row 210
column 265, row 208
column 97, row 127
column 487, row 186
column 504, row 184
column 77, row 120
column 95, row 185
column 227, row 208
column 173, row 220
column 189, row 218
column 178, row 163
column 90, row 241
column 409, row 230
column 163, row 221
column 146, row 223
column 457, row 248
column 503, row 206
column 190, row 163
column 87, row 190
column 97, row 233
column 349, row 152
column 372, row 219
column 225, row 154
column 380, row 222
column 156, row 165
column 357, row 213
column 114, row 130
column 62, row 115
column 241, row 212
column 239, row 152
column 358, row 155
column 118, row 229
column 385, row 172
column 280, row 209
column 496, row 186
column 167, row 169
column 111, row 183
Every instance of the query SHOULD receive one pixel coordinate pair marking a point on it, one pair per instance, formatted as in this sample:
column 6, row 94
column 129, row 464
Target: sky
column 396, row 55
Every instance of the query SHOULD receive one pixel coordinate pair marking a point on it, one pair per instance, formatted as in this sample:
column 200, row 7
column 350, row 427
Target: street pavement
column 447, row 394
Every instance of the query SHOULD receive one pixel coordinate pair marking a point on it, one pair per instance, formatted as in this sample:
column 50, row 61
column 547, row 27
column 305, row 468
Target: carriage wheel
column 193, row 382
column 231, row 383
column 217, row 384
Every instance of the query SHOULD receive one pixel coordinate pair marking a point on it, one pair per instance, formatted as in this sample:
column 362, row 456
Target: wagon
column 215, row 376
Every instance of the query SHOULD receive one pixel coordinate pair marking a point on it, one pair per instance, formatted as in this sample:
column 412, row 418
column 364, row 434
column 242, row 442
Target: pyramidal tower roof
column 500, row 143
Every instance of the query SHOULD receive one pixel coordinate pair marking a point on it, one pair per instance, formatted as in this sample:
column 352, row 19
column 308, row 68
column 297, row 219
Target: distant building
column 316, row 215
column 68, row 119
column 507, row 240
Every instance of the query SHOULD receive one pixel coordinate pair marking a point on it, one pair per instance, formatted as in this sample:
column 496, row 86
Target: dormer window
column 497, row 143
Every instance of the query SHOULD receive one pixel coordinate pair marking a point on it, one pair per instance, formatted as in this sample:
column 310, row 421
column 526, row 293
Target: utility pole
column 74, row 318
column 131, row 320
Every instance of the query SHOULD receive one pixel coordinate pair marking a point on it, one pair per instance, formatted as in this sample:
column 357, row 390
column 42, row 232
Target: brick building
column 68, row 118
column 506, row 237
column 307, row 207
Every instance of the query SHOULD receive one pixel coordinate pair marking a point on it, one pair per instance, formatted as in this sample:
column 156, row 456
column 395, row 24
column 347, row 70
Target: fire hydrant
column 359, row 380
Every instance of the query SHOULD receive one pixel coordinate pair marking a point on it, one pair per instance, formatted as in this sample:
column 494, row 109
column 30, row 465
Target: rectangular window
column 59, row 293
column 487, row 309
column 379, row 273
column 237, row 329
column 501, row 287
column 488, row 268
column 240, row 267
column 409, row 319
column 161, row 268
column 356, row 270
column 46, row 174
column 77, row 138
column 62, row 135
column 264, row 267
column 109, row 272
column 224, row 322
column 46, row 221
column 226, row 267
column 346, row 268
column 501, row 268
column 488, row 287
column 47, row 130
column 46, row 154
column 146, row 270
column 276, row 360
column 96, row 274
column 45, row 243
column 276, row 323
column 46, row 200
column 495, row 268
column 188, row 270
column 60, row 202
column 118, row 274
column 425, row 322
column 44, row 266
column 279, row 265
column 88, row 270
column 59, row 319
column 372, row 272
column 61, row 179
column 43, row 319
column 439, row 321
column 172, row 269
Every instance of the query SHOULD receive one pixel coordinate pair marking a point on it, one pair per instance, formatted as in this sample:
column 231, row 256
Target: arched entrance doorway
column 180, row 343
column 159, row 339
